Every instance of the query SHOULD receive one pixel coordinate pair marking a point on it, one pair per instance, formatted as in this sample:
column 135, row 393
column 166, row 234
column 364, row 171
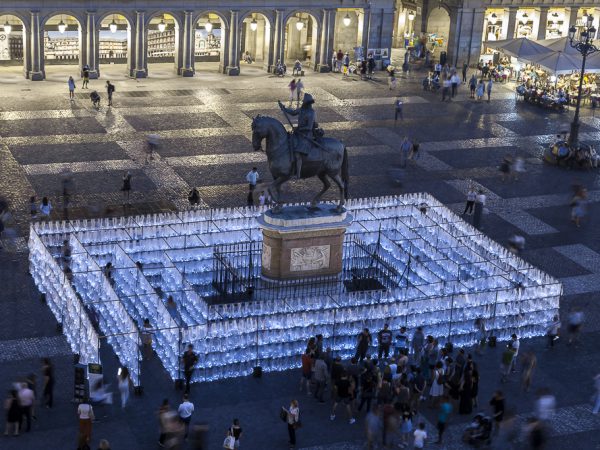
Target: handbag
column 297, row 424
column 229, row 442
column 283, row 414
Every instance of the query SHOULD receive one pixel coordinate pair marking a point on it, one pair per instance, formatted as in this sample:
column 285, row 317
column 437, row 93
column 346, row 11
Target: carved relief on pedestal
column 309, row 258
column 266, row 257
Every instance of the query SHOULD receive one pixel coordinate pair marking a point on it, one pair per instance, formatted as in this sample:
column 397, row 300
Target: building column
column 268, row 60
column 570, row 18
column 316, row 51
column 187, row 46
column 327, row 35
column 543, row 23
column 37, row 49
column 233, row 66
column 140, row 57
column 90, row 46
column 365, row 34
column 511, row 22
column 26, row 49
column 379, row 23
column 471, row 36
column 278, row 39
column 454, row 34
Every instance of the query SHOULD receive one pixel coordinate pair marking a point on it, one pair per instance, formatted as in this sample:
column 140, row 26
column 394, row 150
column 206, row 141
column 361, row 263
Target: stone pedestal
column 301, row 243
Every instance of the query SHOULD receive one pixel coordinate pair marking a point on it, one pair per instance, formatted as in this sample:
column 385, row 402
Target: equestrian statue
column 303, row 153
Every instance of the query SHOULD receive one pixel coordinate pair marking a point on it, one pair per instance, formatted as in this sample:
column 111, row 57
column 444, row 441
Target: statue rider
column 304, row 132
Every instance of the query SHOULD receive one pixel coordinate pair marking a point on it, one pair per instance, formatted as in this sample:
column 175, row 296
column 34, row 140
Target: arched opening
column 12, row 47
column 256, row 37
column 62, row 44
column 349, row 26
column 114, row 45
column 162, row 43
column 438, row 30
column 209, row 42
column 301, row 40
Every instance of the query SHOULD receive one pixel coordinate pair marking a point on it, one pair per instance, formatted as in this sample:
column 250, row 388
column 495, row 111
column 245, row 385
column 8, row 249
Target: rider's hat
column 308, row 100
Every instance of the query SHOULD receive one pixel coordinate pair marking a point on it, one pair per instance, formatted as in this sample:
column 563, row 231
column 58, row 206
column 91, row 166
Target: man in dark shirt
column 189, row 361
column 384, row 338
column 344, row 394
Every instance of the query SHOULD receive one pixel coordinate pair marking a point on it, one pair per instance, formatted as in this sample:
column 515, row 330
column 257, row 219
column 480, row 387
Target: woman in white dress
column 123, row 380
column 437, row 385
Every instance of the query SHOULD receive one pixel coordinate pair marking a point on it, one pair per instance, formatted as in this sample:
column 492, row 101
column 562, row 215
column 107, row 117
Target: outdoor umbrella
column 558, row 63
column 562, row 44
column 520, row 48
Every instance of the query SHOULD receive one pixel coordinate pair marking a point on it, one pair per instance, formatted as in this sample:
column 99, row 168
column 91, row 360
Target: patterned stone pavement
column 204, row 124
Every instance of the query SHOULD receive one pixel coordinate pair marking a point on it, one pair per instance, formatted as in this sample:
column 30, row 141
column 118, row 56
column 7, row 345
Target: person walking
column 26, row 399
column 164, row 414
column 398, row 110
column 321, row 376
column 299, row 90
column 514, row 345
column 229, row 442
column 110, row 89
column 293, row 421
column 417, row 343
column 364, row 341
column 480, row 89
column 443, row 415
column 236, row 432
column 126, row 187
column 497, row 404
column 529, row 361
column 420, row 436
column 13, row 414
column 437, row 385
column 479, row 206
column 471, row 197
column 85, row 412
column 48, row 383
column 455, row 80
column 123, row 382
column 405, row 148
column 574, row 327
column 292, row 88
column 488, row 89
column 185, row 411
column 45, row 208
column 465, row 67
column 307, row 367
column 190, row 359
column 146, row 338
column 384, row 340
column 552, row 331
column 472, row 85
column 71, row 84
column 86, row 77
column 344, row 390
column 446, row 85
column 578, row 204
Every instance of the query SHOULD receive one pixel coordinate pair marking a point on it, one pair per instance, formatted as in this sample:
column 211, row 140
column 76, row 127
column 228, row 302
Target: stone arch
column 153, row 42
column 80, row 19
column 25, row 38
column 257, row 43
column 438, row 22
column 102, row 49
column 205, row 55
column 302, row 44
column 224, row 19
column 60, row 52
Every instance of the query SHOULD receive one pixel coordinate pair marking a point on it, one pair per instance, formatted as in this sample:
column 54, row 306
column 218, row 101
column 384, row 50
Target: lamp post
column 586, row 47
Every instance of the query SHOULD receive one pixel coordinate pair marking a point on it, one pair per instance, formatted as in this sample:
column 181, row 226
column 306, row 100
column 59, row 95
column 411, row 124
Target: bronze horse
column 331, row 160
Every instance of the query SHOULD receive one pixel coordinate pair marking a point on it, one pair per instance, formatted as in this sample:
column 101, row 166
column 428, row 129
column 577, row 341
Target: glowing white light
column 299, row 25
column 162, row 26
column 113, row 26
column 253, row 25
column 62, row 26
column 347, row 20
column 7, row 27
column 493, row 18
column 411, row 16
column 208, row 27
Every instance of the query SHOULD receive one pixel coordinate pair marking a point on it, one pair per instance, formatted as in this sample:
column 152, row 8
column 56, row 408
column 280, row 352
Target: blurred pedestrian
column 185, row 411
column 505, row 166
column 292, row 88
column 344, row 393
column 110, row 89
column 190, row 359
column 293, row 421
column 71, row 84
column 398, row 110
column 480, row 200
column 321, row 376
column 578, row 206
column 364, row 341
column 307, row 367
column 374, row 427
column 507, row 359
column 163, row 414
column 545, row 404
column 95, row 98
column 123, row 382
column 514, row 345
column 552, row 331
column 420, row 436
column 405, row 148
column 488, row 89
column 229, row 442
column 13, row 414
column 417, row 342
column 498, row 406
column 126, row 187
column 574, row 327
column 26, row 399
column 518, row 167
column 86, row 77
column 529, row 361
column 443, row 416
column 85, row 412
column 471, row 197
column 194, row 197
column 236, row 432
column 33, row 208
column 45, row 208
column 536, row 434
column 299, row 90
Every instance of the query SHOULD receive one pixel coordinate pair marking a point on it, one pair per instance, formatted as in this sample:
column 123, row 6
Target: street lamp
column 7, row 27
column 113, row 26
column 162, row 26
column 253, row 24
column 411, row 16
column 62, row 26
column 585, row 46
column 299, row 25
column 208, row 27
column 347, row 20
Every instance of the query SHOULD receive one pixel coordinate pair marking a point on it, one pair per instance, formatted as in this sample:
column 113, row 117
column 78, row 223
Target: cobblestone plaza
column 204, row 124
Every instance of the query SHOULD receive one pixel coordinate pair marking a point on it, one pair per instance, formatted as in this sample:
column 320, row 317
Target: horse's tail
column 345, row 173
